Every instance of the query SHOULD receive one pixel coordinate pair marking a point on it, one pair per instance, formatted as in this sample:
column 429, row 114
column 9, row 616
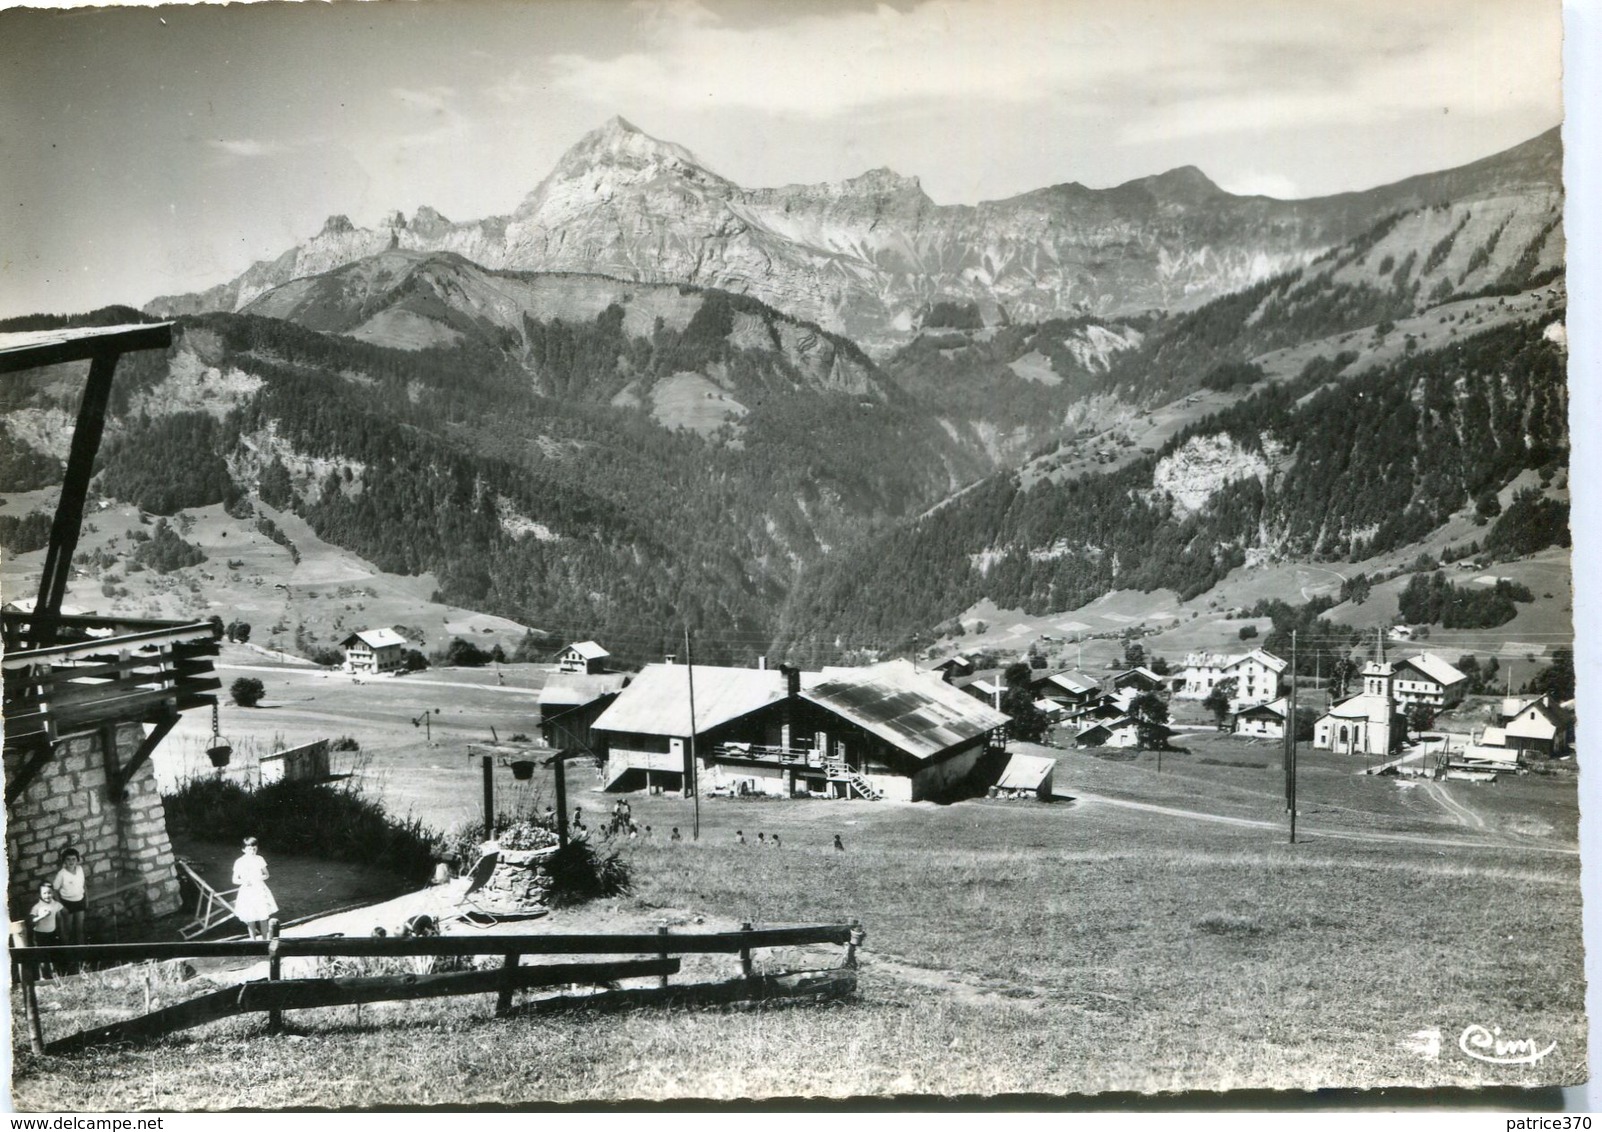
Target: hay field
column 1154, row 933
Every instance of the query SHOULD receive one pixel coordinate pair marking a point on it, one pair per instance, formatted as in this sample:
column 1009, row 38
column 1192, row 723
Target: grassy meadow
column 1155, row 933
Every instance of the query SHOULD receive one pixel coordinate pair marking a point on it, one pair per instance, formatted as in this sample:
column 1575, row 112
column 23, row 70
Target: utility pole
column 1291, row 731
column 695, row 766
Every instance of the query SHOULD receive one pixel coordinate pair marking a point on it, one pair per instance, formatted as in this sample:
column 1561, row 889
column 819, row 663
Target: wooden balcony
column 99, row 672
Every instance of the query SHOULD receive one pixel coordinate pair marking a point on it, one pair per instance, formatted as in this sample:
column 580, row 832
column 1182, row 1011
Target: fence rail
column 276, row 994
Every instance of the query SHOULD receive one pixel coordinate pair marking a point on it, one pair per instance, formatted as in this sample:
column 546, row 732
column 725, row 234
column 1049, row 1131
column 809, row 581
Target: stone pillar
column 132, row 875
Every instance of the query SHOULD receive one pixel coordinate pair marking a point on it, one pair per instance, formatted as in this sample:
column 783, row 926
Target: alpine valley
column 821, row 420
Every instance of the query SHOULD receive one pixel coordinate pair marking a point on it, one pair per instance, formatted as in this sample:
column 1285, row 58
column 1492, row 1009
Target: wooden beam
column 625, row 943
column 117, row 784
column 32, row 349
column 74, row 490
column 825, row 984
column 33, row 762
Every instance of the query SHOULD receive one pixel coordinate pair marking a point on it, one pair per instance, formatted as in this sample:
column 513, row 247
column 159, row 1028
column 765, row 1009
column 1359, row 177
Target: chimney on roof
column 671, row 658
column 762, row 664
column 792, row 679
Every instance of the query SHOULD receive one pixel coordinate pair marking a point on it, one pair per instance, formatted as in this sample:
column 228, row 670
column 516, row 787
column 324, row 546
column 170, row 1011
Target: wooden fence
column 661, row 951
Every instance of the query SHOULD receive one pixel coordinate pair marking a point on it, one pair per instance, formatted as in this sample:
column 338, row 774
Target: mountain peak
column 1183, row 183
column 614, row 156
column 338, row 223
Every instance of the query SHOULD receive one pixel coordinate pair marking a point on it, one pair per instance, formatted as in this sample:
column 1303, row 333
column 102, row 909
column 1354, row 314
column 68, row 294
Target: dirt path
column 323, row 673
column 1335, row 834
column 1455, row 809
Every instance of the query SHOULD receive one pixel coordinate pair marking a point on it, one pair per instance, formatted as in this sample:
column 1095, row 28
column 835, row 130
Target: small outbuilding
column 1261, row 721
column 1027, row 775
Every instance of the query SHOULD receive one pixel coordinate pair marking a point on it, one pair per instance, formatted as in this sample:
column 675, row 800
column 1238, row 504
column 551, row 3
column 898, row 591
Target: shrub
column 579, row 873
column 1247, row 632
column 326, row 655
column 305, row 819
column 247, row 691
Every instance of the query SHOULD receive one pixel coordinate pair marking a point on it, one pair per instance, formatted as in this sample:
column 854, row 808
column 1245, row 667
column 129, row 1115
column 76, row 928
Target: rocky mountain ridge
column 865, row 257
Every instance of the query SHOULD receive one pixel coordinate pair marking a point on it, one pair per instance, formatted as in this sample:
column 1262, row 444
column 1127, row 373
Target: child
column 774, row 841
column 254, row 904
column 70, row 888
column 838, row 844
column 739, row 837
column 43, row 919
column 675, row 835
column 762, row 839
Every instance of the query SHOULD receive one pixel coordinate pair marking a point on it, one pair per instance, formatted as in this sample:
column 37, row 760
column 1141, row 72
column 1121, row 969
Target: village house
column 582, row 656
column 1140, row 679
column 374, row 650
column 1367, row 723
column 987, row 690
column 885, row 731
column 571, row 702
column 1120, row 731
column 1529, row 726
column 1427, row 679
column 952, row 668
column 1070, row 688
column 1256, row 675
column 1261, row 721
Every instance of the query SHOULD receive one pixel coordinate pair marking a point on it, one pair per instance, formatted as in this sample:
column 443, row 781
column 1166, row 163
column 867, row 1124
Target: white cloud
column 1163, row 68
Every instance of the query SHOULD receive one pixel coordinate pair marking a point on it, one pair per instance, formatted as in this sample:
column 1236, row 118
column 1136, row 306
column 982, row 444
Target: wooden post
column 74, row 490
column 275, row 1018
column 503, row 1000
column 661, row 949
column 489, row 797
column 30, row 1006
column 745, row 953
column 561, row 802
column 857, row 936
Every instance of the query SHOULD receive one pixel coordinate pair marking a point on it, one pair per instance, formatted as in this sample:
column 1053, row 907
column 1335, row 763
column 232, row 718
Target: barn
column 886, row 731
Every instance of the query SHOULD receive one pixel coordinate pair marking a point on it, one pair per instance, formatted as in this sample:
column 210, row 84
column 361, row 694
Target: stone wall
column 132, row 877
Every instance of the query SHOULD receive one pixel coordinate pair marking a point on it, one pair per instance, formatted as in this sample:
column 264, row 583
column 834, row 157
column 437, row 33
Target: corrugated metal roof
column 1534, row 722
column 1026, row 772
column 1076, row 682
column 657, row 702
column 914, row 711
column 589, row 650
column 570, row 689
column 374, row 638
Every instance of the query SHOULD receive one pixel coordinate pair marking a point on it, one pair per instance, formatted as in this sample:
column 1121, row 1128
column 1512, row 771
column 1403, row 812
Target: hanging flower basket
column 523, row 770
column 219, row 753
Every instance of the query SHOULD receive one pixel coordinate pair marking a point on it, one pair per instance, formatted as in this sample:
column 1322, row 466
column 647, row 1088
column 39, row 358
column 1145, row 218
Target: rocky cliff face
column 861, row 257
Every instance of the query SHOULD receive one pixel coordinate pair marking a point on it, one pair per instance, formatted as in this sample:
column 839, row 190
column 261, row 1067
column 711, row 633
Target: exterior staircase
column 854, row 780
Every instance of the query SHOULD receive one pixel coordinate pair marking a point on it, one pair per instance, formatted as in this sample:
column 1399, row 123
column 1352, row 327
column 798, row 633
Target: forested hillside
column 1327, row 470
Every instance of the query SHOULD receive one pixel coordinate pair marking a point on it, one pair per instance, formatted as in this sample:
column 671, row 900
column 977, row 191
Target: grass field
column 1156, row 932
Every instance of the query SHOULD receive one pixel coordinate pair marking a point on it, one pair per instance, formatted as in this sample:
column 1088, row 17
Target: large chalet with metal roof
column 885, row 731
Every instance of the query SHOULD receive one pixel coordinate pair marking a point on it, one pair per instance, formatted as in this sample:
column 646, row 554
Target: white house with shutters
column 1256, row 675
column 582, row 656
column 1427, row 679
column 374, row 650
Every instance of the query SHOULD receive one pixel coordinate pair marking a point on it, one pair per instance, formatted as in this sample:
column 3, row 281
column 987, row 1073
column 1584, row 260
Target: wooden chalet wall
column 128, row 858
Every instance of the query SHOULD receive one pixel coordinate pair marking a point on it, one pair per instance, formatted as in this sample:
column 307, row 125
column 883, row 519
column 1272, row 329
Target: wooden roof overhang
column 69, row 675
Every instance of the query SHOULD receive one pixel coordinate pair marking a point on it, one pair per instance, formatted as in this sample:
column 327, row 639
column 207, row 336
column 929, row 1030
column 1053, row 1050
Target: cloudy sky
column 156, row 150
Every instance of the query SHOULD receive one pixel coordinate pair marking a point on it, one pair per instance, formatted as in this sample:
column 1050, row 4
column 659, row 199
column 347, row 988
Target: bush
column 305, row 819
column 1247, row 632
column 247, row 691
column 580, row 873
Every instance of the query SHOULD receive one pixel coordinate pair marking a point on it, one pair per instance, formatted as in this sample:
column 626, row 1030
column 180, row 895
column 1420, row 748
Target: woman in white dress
column 254, row 903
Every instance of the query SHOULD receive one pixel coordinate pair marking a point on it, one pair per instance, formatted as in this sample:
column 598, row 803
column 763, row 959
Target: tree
column 238, row 631
column 1219, row 700
column 1420, row 718
column 1557, row 678
column 1151, row 719
column 1134, row 654
column 1018, row 704
column 1018, row 675
column 412, row 660
column 1341, row 675
column 247, row 691
column 465, row 654
column 1247, row 632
